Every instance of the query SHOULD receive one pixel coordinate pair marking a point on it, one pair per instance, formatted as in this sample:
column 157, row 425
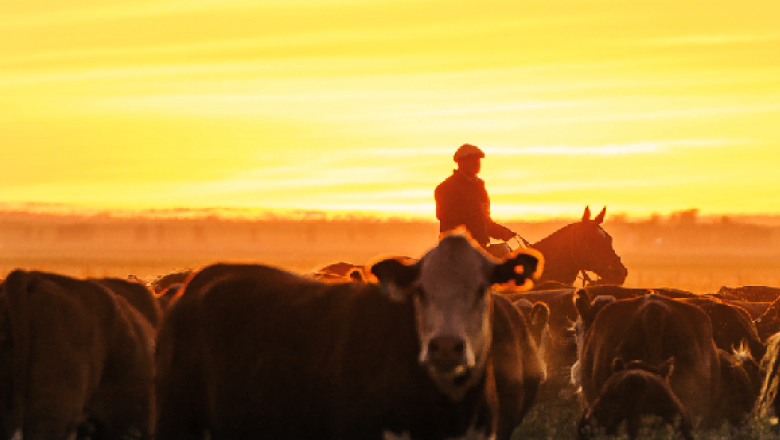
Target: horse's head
column 592, row 249
column 582, row 245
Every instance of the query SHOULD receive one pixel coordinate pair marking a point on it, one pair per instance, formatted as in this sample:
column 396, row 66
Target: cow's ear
column 520, row 267
column 582, row 302
column 618, row 365
column 540, row 313
column 356, row 275
column 588, row 312
column 395, row 277
column 599, row 303
column 666, row 369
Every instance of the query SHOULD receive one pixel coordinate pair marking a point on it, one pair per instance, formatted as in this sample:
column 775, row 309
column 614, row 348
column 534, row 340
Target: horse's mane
column 554, row 236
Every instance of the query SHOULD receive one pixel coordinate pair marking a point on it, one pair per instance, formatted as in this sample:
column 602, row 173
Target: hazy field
column 697, row 274
column 700, row 257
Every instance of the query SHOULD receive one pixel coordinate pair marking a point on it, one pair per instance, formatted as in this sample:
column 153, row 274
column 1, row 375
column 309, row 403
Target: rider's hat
column 468, row 150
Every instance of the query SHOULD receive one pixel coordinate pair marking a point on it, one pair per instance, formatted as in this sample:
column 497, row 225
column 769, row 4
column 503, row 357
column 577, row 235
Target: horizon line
column 259, row 214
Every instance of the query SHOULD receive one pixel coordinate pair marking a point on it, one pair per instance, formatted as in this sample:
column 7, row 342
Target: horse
column 581, row 246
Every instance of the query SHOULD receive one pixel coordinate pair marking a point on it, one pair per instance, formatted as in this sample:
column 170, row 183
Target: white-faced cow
column 428, row 352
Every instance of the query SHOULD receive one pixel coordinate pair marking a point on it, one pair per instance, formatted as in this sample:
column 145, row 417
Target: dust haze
column 681, row 250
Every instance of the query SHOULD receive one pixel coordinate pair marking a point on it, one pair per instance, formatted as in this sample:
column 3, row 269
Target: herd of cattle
column 451, row 345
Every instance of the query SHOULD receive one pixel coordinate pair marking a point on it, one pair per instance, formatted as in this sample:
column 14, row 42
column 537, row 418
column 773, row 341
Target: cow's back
column 653, row 329
column 137, row 295
column 78, row 352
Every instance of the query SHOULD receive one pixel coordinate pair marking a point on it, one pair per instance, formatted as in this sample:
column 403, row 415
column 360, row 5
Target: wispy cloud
column 106, row 12
column 645, row 147
column 709, row 40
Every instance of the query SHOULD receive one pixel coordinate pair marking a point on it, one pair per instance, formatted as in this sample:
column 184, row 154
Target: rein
column 521, row 242
column 586, row 279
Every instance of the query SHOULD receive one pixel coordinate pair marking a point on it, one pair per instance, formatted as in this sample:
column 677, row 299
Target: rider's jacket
column 461, row 200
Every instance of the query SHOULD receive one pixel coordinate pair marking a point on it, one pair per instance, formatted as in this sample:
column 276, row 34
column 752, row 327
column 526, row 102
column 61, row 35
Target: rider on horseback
column 462, row 200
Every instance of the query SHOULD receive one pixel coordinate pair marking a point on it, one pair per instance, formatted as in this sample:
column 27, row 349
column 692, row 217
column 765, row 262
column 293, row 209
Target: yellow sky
column 357, row 106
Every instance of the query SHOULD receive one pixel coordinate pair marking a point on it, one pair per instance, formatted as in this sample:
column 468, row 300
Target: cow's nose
column 447, row 352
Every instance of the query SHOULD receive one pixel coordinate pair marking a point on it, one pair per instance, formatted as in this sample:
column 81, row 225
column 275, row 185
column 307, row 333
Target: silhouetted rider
column 463, row 200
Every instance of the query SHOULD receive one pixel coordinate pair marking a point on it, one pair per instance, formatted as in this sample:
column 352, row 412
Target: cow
column 751, row 293
column 651, row 329
column 560, row 348
column 537, row 317
column 769, row 322
column 732, row 327
column 137, row 294
column 768, row 404
column 538, row 321
column 76, row 358
column 740, row 385
column 340, row 271
column 620, row 292
column 633, row 391
column 168, row 295
column 164, row 281
column 425, row 351
column 754, row 309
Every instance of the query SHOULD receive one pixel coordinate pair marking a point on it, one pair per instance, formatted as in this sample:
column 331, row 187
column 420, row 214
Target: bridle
column 582, row 274
column 586, row 279
column 521, row 242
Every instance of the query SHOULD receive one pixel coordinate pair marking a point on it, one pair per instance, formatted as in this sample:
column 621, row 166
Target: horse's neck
column 557, row 252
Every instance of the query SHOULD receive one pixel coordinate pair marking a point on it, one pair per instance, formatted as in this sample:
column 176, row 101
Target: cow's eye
column 480, row 294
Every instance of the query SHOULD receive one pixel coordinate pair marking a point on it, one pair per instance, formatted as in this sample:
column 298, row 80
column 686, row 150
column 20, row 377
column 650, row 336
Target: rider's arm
column 496, row 230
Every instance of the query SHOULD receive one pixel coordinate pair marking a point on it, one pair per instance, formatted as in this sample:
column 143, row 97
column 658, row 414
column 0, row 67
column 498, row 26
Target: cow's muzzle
column 447, row 355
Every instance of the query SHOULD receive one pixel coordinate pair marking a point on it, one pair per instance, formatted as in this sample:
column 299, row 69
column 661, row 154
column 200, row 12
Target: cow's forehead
column 455, row 263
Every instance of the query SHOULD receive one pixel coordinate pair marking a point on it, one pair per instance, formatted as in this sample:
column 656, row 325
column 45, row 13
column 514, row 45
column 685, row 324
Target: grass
column 558, row 421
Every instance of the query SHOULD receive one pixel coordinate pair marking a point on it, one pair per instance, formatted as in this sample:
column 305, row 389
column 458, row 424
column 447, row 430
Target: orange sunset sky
column 356, row 106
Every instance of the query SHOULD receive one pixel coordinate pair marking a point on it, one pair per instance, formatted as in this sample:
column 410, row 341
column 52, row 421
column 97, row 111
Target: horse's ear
column 586, row 214
column 600, row 218
column 581, row 302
